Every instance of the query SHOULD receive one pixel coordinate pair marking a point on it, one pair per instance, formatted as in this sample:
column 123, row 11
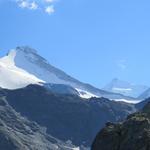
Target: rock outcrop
column 132, row 134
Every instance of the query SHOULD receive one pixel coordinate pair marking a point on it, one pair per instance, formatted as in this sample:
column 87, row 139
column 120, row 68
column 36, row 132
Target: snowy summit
column 23, row 66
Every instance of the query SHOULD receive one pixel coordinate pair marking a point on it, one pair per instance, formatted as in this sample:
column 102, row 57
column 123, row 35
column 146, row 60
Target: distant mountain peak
column 125, row 88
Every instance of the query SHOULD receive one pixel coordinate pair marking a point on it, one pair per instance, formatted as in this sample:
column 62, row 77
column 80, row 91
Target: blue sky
column 93, row 41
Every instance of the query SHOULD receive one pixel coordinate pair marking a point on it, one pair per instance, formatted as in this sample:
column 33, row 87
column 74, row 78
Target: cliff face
column 132, row 134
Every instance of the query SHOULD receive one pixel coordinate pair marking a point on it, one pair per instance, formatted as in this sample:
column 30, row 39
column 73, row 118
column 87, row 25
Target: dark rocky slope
column 18, row 133
column 66, row 117
column 132, row 134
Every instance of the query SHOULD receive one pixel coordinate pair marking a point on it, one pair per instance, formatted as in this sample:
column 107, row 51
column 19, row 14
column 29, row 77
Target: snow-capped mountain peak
column 125, row 88
column 23, row 66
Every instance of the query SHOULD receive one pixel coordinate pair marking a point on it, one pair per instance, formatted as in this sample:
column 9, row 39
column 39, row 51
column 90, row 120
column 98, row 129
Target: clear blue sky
column 93, row 41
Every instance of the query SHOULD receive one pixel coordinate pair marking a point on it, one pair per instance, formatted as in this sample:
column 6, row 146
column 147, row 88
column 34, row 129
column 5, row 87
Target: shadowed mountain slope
column 66, row 117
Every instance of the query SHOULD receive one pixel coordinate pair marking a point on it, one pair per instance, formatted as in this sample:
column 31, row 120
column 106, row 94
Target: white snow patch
column 122, row 89
column 85, row 94
column 127, row 101
column 77, row 148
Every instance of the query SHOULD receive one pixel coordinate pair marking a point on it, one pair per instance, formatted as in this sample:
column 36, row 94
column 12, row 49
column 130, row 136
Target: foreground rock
column 132, row 134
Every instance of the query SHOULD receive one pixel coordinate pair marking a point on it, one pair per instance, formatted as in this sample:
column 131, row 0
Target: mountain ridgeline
column 23, row 66
column 43, row 108
column 66, row 117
